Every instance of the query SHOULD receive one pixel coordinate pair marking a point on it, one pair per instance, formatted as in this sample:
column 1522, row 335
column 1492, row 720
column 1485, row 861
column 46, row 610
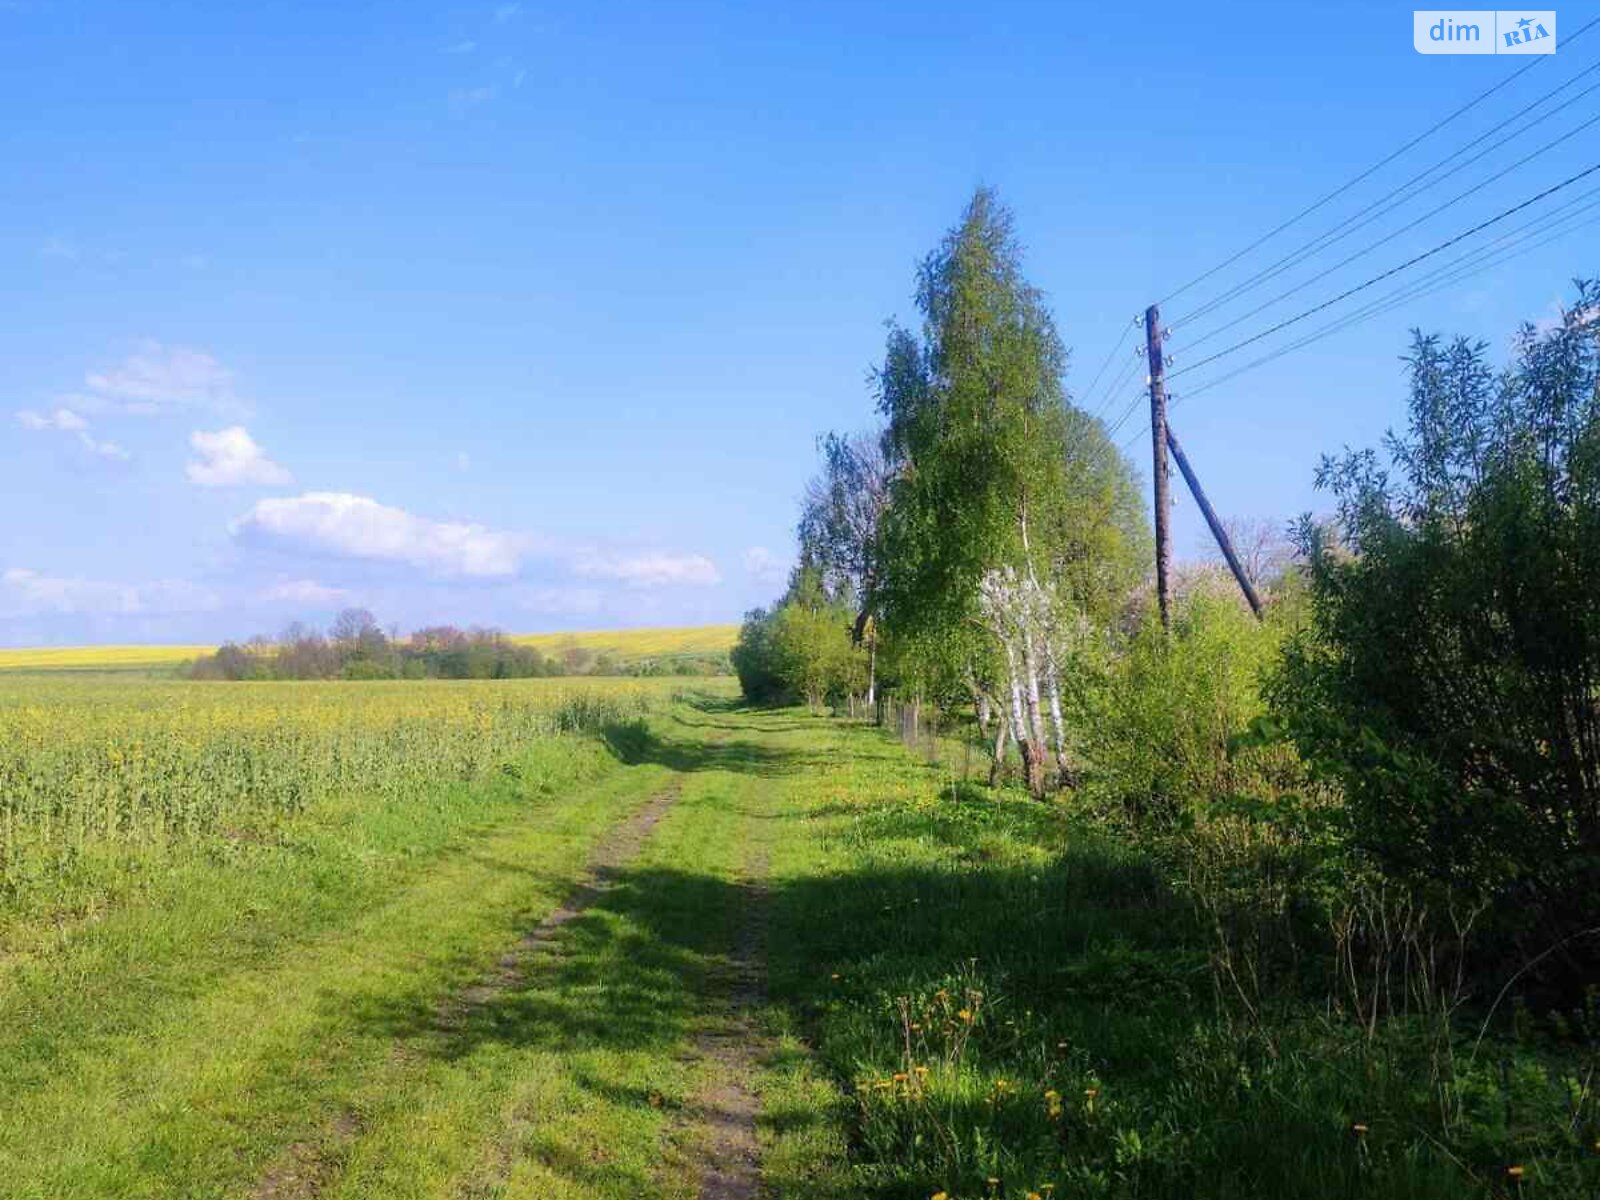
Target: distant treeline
column 357, row 647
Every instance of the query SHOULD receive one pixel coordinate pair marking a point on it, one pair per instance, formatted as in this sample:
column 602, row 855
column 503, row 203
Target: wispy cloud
column 461, row 47
column 464, row 100
column 651, row 569
column 506, row 12
column 307, row 593
column 764, row 566
column 158, row 378
column 232, row 458
column 64, row 420
column 25, row 592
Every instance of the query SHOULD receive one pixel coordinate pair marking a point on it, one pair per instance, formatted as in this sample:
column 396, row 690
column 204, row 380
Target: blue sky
column 529, row 314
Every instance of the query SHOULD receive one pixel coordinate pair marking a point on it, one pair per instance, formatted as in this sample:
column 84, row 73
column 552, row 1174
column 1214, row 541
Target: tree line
column 357, row 647
column 1419, row 709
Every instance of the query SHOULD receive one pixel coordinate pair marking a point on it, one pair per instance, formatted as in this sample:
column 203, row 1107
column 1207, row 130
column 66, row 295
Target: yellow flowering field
column 88, row 763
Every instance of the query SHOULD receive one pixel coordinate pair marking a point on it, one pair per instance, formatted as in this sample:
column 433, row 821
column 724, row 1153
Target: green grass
column 301, row 1005
column 1010, row 1000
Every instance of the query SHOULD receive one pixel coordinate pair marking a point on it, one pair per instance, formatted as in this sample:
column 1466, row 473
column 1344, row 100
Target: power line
column 1451, row 273
column 1354, row 222
column 1126, row 329
column 1372, row 170
column 1392, row 271
column 1127, row 412
column 1362, row 253
column 1120, row 381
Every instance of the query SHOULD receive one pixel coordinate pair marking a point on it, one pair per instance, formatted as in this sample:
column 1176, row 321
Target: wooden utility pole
column 1158, row 444
column 1217, row 531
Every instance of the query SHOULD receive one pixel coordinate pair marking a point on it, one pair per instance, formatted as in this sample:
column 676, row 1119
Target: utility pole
column 1158, row 444
column 1217, row 531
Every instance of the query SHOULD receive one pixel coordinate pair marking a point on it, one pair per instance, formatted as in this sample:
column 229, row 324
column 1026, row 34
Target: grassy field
column 627, row 645
column 637, row 953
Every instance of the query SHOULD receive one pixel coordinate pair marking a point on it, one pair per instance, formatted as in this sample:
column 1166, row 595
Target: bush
column 1168, row 737
column 1450, row 682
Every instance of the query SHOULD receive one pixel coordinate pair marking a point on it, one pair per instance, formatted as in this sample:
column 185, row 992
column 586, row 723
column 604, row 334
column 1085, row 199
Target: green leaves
column 1452, row 684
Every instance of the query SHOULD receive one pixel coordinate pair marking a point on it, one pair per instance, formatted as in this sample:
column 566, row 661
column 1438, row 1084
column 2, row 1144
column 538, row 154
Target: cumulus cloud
column 25, row 592
column 307, row 592
column 232, row 458
column 359, row 527
column 652, row 569
column 764, row 566
column 158, row 378
column 64, row 420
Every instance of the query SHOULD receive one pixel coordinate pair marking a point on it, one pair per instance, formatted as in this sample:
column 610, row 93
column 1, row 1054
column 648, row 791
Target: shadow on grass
column 638, row 742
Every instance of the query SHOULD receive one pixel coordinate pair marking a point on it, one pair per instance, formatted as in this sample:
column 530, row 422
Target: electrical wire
column 1088, row 394
column 1452, row 273
column 1121, row 380
column 1372, row 170
column 1388, row 202
column 1362, row 253
column 1392, row 271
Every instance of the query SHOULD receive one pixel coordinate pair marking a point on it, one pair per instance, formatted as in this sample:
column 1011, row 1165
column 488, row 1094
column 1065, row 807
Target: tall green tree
column 1011, row 519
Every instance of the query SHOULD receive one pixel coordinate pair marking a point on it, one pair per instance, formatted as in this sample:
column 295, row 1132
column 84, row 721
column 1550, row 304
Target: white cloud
column 232, row 458
column 25, row 592
column 359, row 527
column 64, row 420
column 463, row 461
column 765, row 566
column 653, row 569
column 158, row 378
column 505, row 12
column 461, row 47
column 307, row 592
column 104, row 449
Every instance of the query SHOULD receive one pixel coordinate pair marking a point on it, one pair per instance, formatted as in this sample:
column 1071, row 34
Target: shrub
column 1449, row 680
column 1167, row 738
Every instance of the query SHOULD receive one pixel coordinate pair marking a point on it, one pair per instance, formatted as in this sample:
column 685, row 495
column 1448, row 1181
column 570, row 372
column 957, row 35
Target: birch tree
column 1007, row 504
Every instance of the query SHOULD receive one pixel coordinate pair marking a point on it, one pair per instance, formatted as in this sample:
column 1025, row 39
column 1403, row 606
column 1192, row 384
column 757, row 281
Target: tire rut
column 616, row 851
column 728, row 1154
column 304, row 1169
